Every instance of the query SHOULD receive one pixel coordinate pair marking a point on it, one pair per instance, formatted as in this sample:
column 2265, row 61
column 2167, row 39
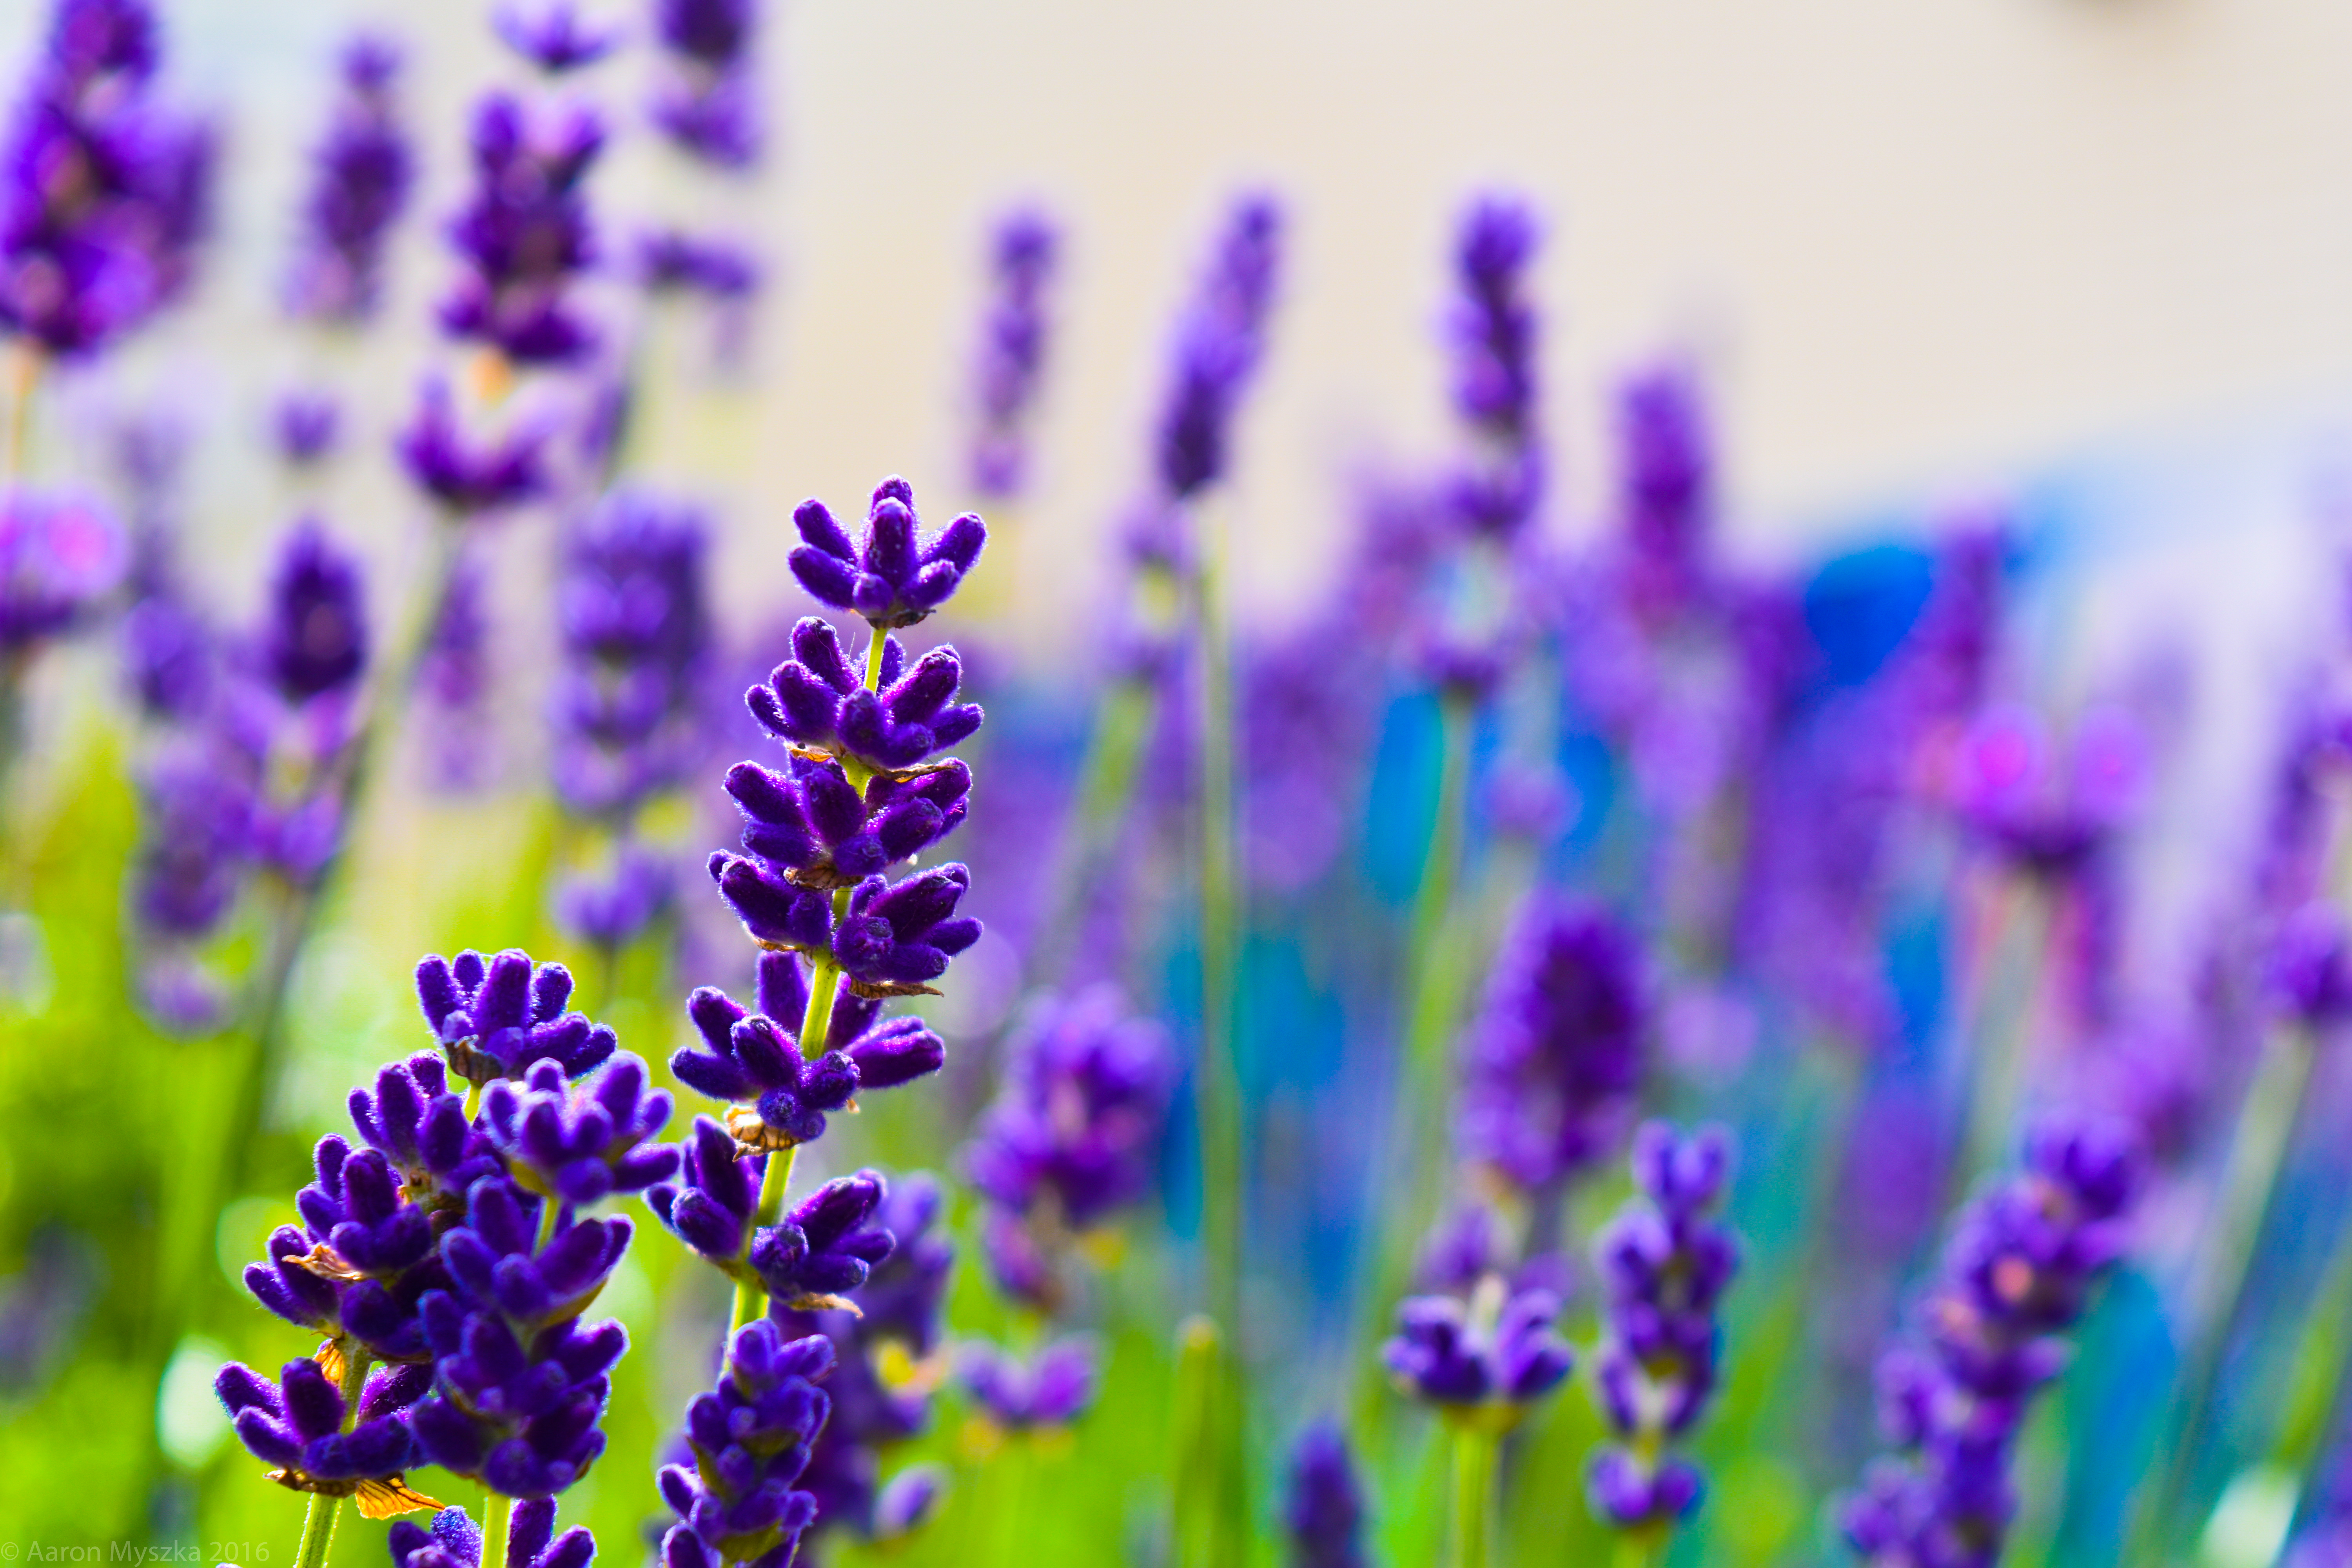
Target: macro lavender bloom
column 2017, row 1271
column 361, row 173
column 1494, row 334
column 612, row 909
column 816, row 699
column 814, row 823
column 363, row 1260
column 1551, row 1064
column 553, row 35
column 708, row 104
column 1665, row 483
column 1052, row 1388
column 826, row 1243
column 672, row 260
column 61, row 553
column 315, row 642
column 1485, row 1362
column 751, row 1437
column 306, row 426
column 455, row 1541
column 1664, row 1266
column 465, row 477
column 1217, row 348
column 106, row 192
column 494, row 1017
column 711, row 1207
column 525, row 236
column 1015, row 334
column 415, row 1122
column 755, row 1057
column 517, row 1414
column 889, row 574
column 635, row 622
column 579, row 1146
column 296, row 1424
column 1323, row 1511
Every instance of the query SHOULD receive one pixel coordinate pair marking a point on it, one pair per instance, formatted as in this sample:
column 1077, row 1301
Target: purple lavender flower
column 415, row 1122
column 106, row 192
column 1487, row 1361
column 518, row 1414
column 889, row 574
column 707, row 105
column 553, row 35
column 579, row 1147
column 59, row 554
column 1552, row 1065
column 1493, row 332
column 196, row 830
column 1323, row 1513
column 710, row 1207
column 2049, row 812
column 168, row 654
column 1014, row 335
column 455, row 1540
column 296, row 1424
column 495, row 1018
column 2016, row 1273
column 826, row 1244
column 306, row 426
column 814, row 823
column 316, row 643
column 751, row 1437
column 1664, row 1266
column 1051, row 1389
column 1664, row 482
column 612, row 909
column 362, row 1262
column 361, row 173
column 454, row 677
column 503, row 1269
column 524, row 236
column 465, row 477
column 2309, row 968
column 672, row 260
column 896, row 937
column 816, row 699
column 1218, row 344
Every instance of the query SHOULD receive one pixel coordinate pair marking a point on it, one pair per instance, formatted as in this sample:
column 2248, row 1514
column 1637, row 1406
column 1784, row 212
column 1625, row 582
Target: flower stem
column 498, row 1512
column 318, row 1518
column 751, row 1297
column 1473, row 1486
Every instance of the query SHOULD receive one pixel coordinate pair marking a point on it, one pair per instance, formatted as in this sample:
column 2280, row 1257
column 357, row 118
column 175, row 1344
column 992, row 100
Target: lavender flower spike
column 1218, row 345
column 317, row 640
column 1494, row 337
column 553, row 37
column 889, row 574
column 1052, row 1390
column 454, row 1541
column 816, row 700
column 297, row 1425
column 464, row 477
column 826, row 1244
column 708, row 105
column 1483, row 1365
column 59, row 555
column 1012, row 344
column 525, row 236
column 361, row 174
column 1323, row 1515
column 751, row 1438
column 496, row 1016
column 580, row 1147
column 1664, row 1266
column 711, row 1206
column 518, row 1414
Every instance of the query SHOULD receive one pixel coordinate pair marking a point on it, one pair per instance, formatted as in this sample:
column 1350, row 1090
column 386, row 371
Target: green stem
column 873, row 660
column 498, row 1512
column 750, row 1296
column 318, row 1518
column 1475, row 1451
column 1200, row 1375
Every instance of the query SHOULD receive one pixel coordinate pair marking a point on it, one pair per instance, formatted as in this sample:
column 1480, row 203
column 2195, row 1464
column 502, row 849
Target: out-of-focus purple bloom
column 826, row 1244
column 2310, row 968
column 494, row 1017
column 612, row 909
column 1323, row 1511
column 579, row 1145
column 106, row 192
column 525, row 236
column 751, row 1438
column 673, row 260
column 707, row 104
column 316, row 643
column 1486, row 1361
column 454, row 677
column 889, row 574
column 61, row 553
column 1551, row 1064
column 1052, row 1388
column 1664, row 1266
column 1013, row 338
column 168, row 654
column 2047, row 811
column 455, row 1541
column 1217, row 348
column 361, row 173
column 553, row 35
column 306, row 426
column 1665, row 483
column 817, row 700
column 1494, row 334
column 2016, row 1273
column 297, row 1425
column 464, row 476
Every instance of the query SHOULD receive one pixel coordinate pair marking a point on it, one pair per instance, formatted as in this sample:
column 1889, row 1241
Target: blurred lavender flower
column 1664, row 1266
column 1015, row 334
column 2017, row 1272
column 454, row 678
column 1665, row 484
column 61, row 553
column 672, row 260
column 707, row 102
column 1485, row 1361
column 1495, row 336
column 360, row 177
column 1218, row 344
column 306, row 426
column 465, row 477
column 1323, row 1511
column 315, row 641
column 1552, row 1063
column 613, row 908
column 106, row 192
column 1051, row 1389
column 524, row 235
column 196, row 826
column 553, row 35
column 751, row 1438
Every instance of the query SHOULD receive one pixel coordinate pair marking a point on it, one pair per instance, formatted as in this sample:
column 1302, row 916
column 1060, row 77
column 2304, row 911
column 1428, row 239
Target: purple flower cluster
column 524, row 235
column 1049, row 1389
column 815, row 702
column 1665, row 484
column 1664, row 1266
column 61, row 553
column 1323, row 1509
column 1485, row 1361
column 106, row 192
column 889, row 574
column 553, row 36
column 751, row 1438
column 708, row 104
column 672, row 260
column 450, row 1248
column 1495, row 335
column 455, row 1541
column 361, row 173
column 1551, row 1066
column 1071, row 1137
column 1014, row 336
column 1218, row 344
column 2016, row 1273
column 465, row 475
